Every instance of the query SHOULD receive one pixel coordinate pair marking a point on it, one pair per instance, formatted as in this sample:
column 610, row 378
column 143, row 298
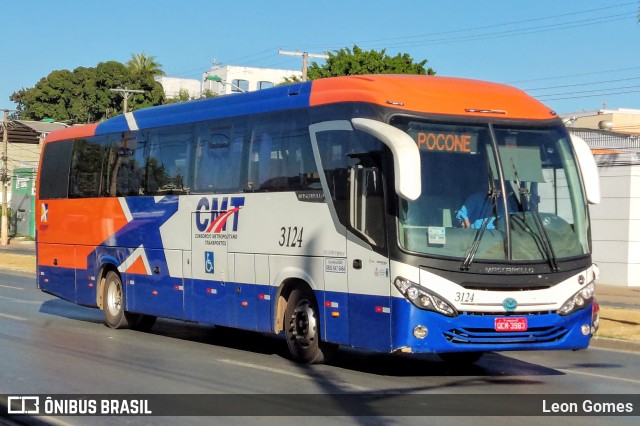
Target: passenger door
column 352, row 182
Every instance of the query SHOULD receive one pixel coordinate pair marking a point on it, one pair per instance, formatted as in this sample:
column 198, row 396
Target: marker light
column 595, row 316
column 420, row 331
column 423, row 298
column 579, row 300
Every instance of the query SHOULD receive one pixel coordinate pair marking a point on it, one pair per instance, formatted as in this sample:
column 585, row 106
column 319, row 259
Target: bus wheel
column 460, row 358
column 113, row 299
column 302, row 327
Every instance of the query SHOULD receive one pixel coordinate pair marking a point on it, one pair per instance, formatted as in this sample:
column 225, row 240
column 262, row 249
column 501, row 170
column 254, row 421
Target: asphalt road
column 49, row 346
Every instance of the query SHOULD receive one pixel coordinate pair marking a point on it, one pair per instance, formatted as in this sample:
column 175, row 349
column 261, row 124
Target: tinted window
column 90, row 159
column 219, row 151
column 281, row 158
column 341, row 151
column 54, row 170
column 168, row 160
column 130, row 175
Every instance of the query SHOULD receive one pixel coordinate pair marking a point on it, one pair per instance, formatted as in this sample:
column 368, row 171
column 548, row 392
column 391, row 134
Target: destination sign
column 455, row 143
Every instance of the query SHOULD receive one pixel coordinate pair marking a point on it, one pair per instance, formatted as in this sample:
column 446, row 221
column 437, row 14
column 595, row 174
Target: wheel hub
column 114, row 302
column 303, row 324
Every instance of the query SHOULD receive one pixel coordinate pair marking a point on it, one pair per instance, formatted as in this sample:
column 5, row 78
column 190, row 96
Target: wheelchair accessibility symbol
column 208, row 262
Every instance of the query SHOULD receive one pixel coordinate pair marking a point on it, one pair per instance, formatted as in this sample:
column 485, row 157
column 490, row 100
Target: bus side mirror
column 406, row 156
column 588, row 169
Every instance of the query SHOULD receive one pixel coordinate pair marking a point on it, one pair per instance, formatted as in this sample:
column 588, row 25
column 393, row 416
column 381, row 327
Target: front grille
column 505, row 314
column 488, row 336
column 515, row 286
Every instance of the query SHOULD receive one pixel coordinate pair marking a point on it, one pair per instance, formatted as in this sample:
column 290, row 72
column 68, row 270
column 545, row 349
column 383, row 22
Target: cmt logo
column 212, row 215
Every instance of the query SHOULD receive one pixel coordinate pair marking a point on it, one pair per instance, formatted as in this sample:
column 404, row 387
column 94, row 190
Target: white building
column 615, row 231
column 235, row 79
column 621, row 120
column 173, row 86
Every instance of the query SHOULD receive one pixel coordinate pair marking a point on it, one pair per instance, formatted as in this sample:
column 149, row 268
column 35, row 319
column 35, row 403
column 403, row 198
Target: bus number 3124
column 290, row 236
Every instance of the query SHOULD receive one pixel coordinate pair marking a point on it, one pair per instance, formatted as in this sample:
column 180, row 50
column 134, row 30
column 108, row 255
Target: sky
column 573, row 55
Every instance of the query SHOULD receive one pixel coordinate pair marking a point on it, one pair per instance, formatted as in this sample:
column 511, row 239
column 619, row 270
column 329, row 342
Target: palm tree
column 141, row 63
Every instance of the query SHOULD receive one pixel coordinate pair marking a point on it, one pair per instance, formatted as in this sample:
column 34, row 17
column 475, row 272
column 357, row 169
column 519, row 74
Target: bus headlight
column 423, row 298
column 579, row 300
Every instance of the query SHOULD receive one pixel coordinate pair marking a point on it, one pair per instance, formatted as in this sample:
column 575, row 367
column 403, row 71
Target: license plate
column 510, row 324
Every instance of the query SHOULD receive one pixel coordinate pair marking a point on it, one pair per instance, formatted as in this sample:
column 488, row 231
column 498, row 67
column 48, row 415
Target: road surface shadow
column 503, row 368
column 62, row 308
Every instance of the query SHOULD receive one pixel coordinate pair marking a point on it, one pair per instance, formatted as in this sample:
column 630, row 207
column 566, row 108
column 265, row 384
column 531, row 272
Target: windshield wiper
column 544, row 237
column 492, row 195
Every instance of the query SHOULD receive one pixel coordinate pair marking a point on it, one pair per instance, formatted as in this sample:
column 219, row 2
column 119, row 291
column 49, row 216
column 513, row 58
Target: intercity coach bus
column 333, row 212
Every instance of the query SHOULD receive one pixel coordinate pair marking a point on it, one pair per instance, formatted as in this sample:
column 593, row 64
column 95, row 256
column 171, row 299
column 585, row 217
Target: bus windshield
column 494, row 193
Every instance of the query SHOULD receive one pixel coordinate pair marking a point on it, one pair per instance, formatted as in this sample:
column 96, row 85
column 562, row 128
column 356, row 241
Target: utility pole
column 125, row 94
column 4, row 179
column 305, row 59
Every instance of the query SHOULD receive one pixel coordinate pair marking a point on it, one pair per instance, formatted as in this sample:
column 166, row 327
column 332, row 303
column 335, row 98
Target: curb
column 616, row 344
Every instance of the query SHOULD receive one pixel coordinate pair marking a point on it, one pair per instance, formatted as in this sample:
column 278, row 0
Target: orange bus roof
column 430, row 94
column 83, row 131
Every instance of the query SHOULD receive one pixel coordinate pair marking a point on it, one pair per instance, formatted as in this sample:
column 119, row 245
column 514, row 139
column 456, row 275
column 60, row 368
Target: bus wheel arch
column 281, row 301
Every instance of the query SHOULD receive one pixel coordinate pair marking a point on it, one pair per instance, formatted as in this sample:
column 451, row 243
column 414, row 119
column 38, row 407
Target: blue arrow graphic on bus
column 146, row 216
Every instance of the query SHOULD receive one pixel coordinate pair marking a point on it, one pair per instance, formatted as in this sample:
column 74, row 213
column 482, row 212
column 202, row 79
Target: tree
column 84, row 96
column 184, row 96
column 357, row 62
column 143, row 64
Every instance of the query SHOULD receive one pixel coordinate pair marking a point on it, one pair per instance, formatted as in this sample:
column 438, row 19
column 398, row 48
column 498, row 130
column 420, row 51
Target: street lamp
column 220, row 80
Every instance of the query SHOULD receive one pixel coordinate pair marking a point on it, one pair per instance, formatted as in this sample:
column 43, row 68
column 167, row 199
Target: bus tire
column 113, row 300
column 460, row 358
column 302, row 327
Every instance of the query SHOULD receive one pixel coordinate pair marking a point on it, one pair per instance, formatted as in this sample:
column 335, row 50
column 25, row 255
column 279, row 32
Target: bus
column 331, row 213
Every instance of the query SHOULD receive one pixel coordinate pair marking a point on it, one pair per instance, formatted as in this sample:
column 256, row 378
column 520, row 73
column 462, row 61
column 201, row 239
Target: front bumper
column 476, row 332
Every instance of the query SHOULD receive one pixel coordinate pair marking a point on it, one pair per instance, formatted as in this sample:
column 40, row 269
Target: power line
column 585, row 95
column 436, row 38
column 559, row 77
column 582, row 84
column 125, row 94
column 591, row 91
column 305, row 59
column 518, row 32
column 474, row 30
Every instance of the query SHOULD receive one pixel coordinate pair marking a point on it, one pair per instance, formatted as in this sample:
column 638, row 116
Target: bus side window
column 341, row 152
column 167, row 168
column 131, row 173
column 88, row 160
column 54, row 170
column 280, row 155
column 219, row 154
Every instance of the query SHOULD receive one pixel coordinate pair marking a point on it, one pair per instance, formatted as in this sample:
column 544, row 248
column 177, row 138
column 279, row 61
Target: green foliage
column 183, row 96
column 83, row 95
column 140, row 63
column 290, row 80
column 357, row 62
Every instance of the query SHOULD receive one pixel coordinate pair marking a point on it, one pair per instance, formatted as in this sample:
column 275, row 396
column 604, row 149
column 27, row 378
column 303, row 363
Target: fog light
column 420, row 332
column 586, row 329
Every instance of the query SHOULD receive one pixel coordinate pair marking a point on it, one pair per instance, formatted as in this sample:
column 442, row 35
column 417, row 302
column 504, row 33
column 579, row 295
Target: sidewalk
column 619, row 306
column 18, row 255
